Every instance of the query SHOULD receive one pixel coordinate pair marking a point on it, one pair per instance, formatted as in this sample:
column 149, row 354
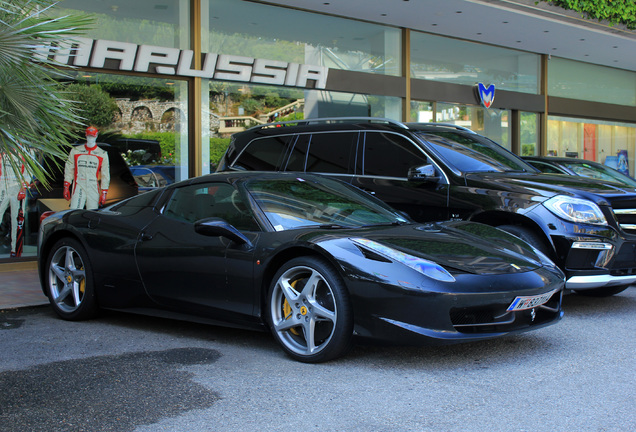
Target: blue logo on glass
column 486, row 94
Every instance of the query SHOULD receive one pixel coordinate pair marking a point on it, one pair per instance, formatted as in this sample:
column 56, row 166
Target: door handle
column 145, row 236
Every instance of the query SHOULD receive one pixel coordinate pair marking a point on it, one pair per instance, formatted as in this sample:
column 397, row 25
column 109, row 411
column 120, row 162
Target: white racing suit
column 10, row 187
column 89, row 172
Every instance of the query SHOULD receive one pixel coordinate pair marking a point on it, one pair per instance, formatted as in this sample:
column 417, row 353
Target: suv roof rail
column 331, row 120
column 450, row 125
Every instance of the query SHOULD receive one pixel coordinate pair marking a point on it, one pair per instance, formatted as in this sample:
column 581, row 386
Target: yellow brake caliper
column 287, row 310
column 82, row 286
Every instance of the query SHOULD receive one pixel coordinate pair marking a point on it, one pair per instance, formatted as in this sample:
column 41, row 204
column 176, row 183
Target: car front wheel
column 309, row 311
column 68, row 279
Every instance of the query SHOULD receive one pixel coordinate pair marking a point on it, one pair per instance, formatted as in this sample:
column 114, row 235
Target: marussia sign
column 124, row 56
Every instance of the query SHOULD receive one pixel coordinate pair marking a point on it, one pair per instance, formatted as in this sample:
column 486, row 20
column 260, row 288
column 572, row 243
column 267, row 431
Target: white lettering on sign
column 125, row 56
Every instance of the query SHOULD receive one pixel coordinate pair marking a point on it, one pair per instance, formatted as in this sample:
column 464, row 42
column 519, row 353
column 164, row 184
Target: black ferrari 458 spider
column 313, row 259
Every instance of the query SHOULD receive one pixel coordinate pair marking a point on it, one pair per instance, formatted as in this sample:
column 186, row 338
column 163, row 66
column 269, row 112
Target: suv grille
column 626, row 219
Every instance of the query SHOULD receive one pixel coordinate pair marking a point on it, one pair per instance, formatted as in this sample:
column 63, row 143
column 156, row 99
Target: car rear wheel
column 69, row 283
column 310, row 311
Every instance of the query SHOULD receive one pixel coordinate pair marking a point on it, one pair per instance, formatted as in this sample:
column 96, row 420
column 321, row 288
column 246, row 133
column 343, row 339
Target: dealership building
column 552, row 82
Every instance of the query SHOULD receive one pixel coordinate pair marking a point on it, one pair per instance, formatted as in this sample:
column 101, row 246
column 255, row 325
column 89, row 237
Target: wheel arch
column 500, row 218
column 45, row 249
column 284, row 256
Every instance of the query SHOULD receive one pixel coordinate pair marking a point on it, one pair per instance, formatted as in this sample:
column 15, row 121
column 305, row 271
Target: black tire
column 68, row 281
column 603, row 292
column 312, row 322
column 528, row 236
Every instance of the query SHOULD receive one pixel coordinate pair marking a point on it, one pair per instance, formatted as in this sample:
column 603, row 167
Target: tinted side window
column 200, row 201
column 263, row 154
column 390, row 155
column 330, row 152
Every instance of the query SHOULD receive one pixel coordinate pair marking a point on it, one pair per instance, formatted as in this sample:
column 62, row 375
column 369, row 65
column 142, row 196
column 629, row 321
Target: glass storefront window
column 493, row 123
column 577, row 80
column 149, row 122
column 529, row 133
column 164, row 23
column 249, row 29
column 233, row 107
column 422, row 112
column 612, row 144
column 438, row 58
column 143, row 124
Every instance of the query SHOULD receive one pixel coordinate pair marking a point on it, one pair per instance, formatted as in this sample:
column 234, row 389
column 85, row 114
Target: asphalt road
column 131, row 373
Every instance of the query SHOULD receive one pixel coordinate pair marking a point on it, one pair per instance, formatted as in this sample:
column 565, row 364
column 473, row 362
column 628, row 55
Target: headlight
column 575, row 210
column 427, row 268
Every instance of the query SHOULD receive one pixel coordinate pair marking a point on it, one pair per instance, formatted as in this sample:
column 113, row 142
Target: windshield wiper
column 394, row 223
column 333, row 226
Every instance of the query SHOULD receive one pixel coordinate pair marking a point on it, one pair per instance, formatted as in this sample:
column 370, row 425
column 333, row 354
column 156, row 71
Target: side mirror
column 423, row 173
column 215, row 227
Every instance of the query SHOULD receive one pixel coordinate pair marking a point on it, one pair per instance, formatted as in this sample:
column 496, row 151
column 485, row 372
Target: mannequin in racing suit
column 88, row 169
column 12, row 193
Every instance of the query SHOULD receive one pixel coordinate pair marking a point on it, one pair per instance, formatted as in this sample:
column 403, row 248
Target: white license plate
column 529, row 302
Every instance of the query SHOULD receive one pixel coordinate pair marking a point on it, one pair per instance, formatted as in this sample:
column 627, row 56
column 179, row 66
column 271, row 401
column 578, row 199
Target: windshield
column 295, row 202
column 602, row 172
column 473, row 154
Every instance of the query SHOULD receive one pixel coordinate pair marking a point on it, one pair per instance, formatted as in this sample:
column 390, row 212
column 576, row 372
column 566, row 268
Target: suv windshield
column 298, row 202
column 599, row 171
column 473, row 154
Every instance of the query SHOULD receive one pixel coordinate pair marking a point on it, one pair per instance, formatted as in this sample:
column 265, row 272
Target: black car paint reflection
column 313, row 259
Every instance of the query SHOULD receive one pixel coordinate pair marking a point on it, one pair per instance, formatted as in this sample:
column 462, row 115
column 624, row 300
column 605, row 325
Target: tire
column 603, row 292
column 69, row 281
column 528, row 236
column 309, row 311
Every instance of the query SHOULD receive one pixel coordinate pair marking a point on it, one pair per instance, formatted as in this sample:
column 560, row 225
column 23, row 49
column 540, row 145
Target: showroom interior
column 195, row 71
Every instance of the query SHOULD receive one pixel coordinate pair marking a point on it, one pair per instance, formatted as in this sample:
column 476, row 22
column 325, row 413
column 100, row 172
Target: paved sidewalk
column 20, row 285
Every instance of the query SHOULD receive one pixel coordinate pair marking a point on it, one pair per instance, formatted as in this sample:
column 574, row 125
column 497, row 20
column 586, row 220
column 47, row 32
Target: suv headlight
column 576, row 210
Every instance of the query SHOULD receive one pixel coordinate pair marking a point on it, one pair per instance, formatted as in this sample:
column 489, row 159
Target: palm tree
column 35, row 114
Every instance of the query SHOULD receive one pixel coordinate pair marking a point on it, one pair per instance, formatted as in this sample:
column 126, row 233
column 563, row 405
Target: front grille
column 626, row 219
column 625, row 212
column 495, row 318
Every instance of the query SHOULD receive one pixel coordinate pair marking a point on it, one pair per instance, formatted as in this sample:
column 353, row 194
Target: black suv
column 435, row 171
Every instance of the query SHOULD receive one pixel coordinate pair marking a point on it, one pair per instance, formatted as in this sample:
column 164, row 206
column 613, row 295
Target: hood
column 461, row 246
column 545, row 186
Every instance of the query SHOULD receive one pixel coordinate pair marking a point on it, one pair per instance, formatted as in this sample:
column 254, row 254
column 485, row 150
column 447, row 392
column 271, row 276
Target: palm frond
column 34, row 110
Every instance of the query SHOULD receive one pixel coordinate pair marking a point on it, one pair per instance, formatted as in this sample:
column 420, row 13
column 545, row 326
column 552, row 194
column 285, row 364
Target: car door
column 386, row 159
column 184, row 270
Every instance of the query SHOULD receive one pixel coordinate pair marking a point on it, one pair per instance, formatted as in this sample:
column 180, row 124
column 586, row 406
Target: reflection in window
column 297, row 202
column 403, row 155
column 492, row 122
column 439, row 58
column 608, row 143
column 147, row 120
column 576, row 80
column 300, row 37
column 332, row 152
column 139, row 22
column 210, row 200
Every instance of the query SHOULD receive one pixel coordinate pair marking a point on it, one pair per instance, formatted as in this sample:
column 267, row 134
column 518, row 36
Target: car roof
column 332, row 124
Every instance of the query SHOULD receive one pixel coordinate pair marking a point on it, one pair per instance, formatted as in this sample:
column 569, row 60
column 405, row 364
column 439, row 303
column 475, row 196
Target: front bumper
column 591, row 256
column 473, row 308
